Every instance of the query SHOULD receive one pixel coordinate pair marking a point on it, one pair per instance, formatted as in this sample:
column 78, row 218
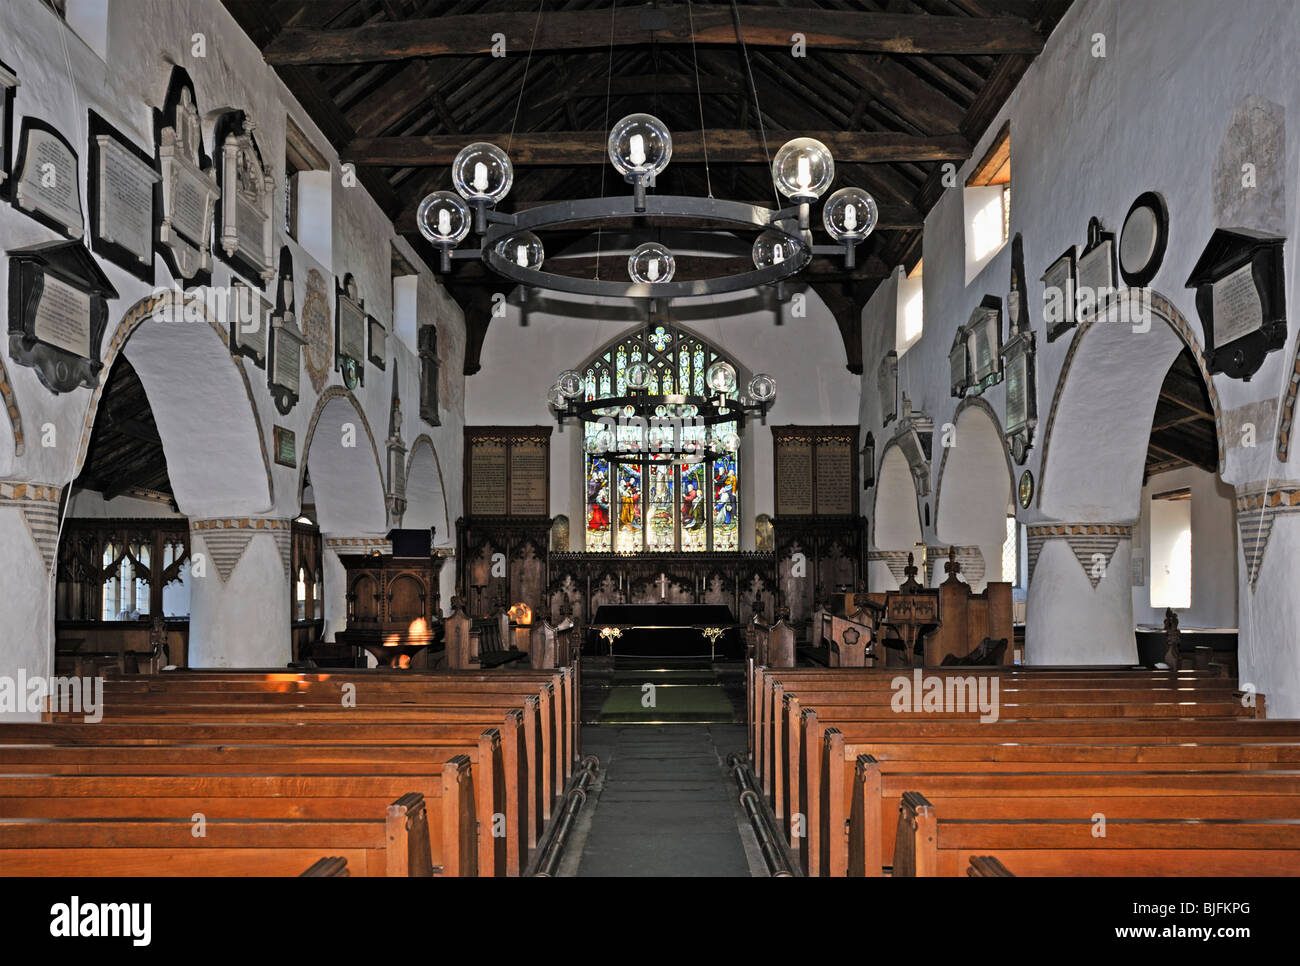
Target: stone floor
column 663, row 805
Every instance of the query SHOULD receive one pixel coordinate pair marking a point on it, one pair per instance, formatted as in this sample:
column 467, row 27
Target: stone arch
column 895, row 510
column 1100, row 420
column 426, row 491
column 216, row 466
column 348, row 486
column 980, row 491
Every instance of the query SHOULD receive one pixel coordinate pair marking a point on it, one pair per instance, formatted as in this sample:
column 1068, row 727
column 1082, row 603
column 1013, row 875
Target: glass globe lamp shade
column 651, row 263
column 638, row 375
column 443, row 218
column 556, row 398
column 523, row 248
column 762, row 387
column 640, row 145
column 773, row 248
column 482, row 172
column 603, row 441
column 729, row 442
column 850, row 215
column 570, row 384
column 721, row 377
column 803, row 169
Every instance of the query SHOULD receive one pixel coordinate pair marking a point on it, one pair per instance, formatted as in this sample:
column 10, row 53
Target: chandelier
column 640, row 147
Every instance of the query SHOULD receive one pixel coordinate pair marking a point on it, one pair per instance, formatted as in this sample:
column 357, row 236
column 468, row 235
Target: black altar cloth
column 665, row 630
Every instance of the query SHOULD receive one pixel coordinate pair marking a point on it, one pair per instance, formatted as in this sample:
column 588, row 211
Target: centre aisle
column 665, row 805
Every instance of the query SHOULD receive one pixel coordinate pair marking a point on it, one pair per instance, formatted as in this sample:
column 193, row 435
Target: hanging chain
column 762, row 133
column 699, row 97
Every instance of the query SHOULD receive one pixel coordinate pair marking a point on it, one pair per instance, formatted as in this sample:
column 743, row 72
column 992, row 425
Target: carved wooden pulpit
column 913, row 611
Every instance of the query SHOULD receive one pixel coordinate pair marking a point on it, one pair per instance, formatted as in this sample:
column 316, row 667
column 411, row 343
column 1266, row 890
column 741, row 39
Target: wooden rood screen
column 1029, row 771
column 265, row 773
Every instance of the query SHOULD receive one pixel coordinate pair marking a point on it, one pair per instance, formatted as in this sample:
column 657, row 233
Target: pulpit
column 912, row 612
column 393, row 607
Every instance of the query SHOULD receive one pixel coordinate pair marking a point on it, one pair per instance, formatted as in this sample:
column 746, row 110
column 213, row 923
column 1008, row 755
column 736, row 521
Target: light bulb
column 482, row 172
column 638, row 375
column 803, row 169
column 772, row 248
column 640, row 146
column 721, row 377
column 651, row 263
column 523, row 248
column 443, row 218
column 570, row 383
column 762, row 387
column 850, row 215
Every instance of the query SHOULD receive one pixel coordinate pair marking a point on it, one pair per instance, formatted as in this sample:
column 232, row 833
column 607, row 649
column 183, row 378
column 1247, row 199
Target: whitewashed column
column 1268, row 594
column 1080, row 602
column 240, row 592
column 28, row 537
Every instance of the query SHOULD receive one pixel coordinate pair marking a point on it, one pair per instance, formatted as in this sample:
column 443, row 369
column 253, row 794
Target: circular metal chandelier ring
column 561, row 213
column 707, row 410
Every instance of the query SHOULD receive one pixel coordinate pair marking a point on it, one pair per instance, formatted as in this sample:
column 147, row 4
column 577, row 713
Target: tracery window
column 652, row 502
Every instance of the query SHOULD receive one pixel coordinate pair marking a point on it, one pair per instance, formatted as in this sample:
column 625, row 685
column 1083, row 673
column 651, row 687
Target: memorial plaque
column 529, row 472
column 122, row 180
column 1095, row 279
column 887, row 383
column 487, row 474
column 247, row 199
column 62, row 317
column 189, row 188
column 959, row 364
column 285, row 446
column 1059, row 310
column 984, row 345
column 8, row 84
column 378, row 342
column 283, row 371
column 430, row 367
column 1241, row 299
column 834, row 475
column 794, row 478
column 58, row 310
column 350, row 333
column 1238, row 310
column 47, row 185
column 249, row 322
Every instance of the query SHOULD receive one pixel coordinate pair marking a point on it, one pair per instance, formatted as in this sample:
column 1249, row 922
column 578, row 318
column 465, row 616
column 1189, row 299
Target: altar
column 665, row 630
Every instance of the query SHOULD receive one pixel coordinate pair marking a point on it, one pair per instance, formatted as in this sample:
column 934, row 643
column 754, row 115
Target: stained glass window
column 651, row 502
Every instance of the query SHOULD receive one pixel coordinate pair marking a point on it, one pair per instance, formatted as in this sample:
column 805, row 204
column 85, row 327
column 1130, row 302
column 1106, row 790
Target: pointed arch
column 347, row 484
column 426, row 490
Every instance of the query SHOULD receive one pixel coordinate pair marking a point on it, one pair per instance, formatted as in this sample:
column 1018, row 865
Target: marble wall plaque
column 63, row 317
column 1059, row 296
column 352, row 329
column 249, row 322
column 8, row 83
column 378, row 342
column 122, row 180
column 47, row 185
column 189, row 188
column 1238, row 310
column 247, row 193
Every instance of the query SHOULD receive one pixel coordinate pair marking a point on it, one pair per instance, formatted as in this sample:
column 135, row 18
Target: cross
column 663, row 587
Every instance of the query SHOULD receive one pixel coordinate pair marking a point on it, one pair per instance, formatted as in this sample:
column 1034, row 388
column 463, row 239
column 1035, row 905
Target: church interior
column 473, row 438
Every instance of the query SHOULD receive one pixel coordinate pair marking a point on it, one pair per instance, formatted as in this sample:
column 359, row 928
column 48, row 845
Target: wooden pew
column 929, row 844
column 506, row 778
column 1050, row 795
column 395, row 842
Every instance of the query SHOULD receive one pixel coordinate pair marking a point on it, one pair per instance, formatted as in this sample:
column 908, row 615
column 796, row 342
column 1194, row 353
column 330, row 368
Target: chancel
column 509, row 439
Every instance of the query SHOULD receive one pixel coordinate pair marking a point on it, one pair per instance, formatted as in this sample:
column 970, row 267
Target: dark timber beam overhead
column 835, row 30
column 567, row 148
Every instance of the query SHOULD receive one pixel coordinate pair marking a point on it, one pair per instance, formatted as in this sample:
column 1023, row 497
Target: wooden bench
column 395, row 842
column 929, row 844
